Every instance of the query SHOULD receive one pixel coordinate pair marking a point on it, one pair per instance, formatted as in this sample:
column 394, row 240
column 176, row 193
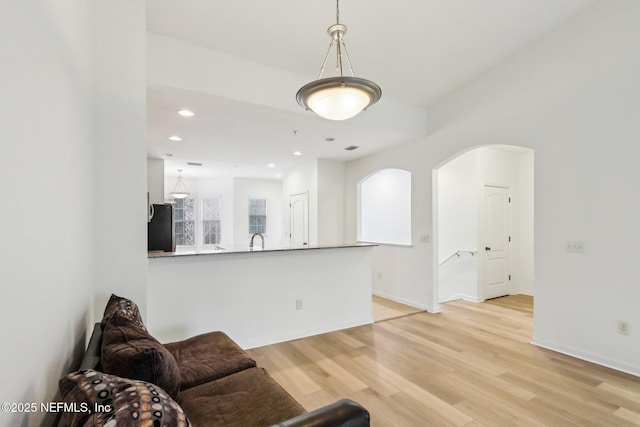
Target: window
column 211, row 221
column 184, row 221
column 257, row 216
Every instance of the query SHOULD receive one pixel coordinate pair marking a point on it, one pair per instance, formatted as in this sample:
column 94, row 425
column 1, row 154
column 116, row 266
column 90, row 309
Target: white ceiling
column 233, row 138
column 417, row 50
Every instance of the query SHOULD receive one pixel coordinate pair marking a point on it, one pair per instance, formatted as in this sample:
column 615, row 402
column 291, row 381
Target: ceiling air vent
column 194, row 164
column 351, row 148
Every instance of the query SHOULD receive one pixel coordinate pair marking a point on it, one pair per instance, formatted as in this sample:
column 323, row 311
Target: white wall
column 253, row 296
column 458, row 205
column 400, row 273
column 45, row 260
column 331, row 202
column 458, row 188
column 301, row 179
column 51, row 97
column 572, row 96
column 458, row 278
column 155, row 180
column 324, row 181
column 249, row 188
column 119, row 141
column 523, row 225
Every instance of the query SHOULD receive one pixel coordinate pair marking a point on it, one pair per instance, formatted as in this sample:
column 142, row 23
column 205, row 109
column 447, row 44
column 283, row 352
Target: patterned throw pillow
column 125, row 307
column 106, row 400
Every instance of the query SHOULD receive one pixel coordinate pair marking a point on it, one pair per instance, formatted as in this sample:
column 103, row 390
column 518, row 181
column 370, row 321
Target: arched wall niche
column 384, row 207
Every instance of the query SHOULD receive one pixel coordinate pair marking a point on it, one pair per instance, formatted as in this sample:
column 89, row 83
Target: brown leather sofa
column 213, row 383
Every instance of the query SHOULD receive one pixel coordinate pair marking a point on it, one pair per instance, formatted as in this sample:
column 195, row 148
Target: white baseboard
column 403, row 301
column 528, row 293
column 589, row 357
column 462, row 297
column 474, row 299
column 302, row 333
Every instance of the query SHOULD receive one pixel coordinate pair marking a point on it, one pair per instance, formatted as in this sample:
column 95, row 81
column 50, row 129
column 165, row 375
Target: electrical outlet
column 575, row 246
column 379, row 275
column 623, row 327
column 425, row 238
column 299, row 304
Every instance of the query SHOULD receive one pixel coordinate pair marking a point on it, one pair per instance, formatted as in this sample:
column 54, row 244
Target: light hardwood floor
column 384, row 309
column 471, row 365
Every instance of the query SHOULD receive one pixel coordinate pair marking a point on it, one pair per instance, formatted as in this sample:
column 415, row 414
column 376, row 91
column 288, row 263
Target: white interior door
column 495, row 275
column 299, row 223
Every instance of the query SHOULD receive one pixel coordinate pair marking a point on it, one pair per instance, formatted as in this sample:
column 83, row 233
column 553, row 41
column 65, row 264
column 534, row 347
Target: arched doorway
column 483, row 224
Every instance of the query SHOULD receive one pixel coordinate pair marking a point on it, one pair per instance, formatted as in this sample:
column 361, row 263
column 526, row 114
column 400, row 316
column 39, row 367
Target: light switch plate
column 575, row 246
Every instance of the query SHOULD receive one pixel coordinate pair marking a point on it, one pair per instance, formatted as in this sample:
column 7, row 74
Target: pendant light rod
column 337, row 32
column 339, row 53
column 324, row 63
column 346, row 55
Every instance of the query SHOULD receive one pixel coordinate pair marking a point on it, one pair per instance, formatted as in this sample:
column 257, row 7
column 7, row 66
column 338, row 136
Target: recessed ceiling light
column 167, row 154
column 271, row 165
column 297, row 153
column 186, row 113
column 351, row 148
column 175, row 138
column 329, row 139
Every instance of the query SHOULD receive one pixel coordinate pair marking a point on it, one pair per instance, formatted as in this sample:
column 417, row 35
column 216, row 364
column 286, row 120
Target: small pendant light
column 180, row 190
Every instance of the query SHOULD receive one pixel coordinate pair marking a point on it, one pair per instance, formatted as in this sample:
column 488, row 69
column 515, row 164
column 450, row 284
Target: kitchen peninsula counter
column 259, row 297
column 236, row 249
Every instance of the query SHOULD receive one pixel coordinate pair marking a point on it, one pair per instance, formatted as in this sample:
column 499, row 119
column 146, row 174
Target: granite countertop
column 238, row 249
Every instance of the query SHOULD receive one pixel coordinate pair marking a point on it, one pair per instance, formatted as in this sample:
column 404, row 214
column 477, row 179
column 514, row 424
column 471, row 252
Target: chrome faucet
column 251, row 241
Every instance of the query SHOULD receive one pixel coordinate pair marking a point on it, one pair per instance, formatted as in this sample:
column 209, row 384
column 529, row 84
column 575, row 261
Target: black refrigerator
column 161, row 233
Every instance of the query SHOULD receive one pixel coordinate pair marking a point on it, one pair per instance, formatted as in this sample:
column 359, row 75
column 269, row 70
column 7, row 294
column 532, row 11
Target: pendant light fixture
column 180, row 190
column 340, row 97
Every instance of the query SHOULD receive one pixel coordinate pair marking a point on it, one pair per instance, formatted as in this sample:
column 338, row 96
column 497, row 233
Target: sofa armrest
column 343, row 413
column 91, row 358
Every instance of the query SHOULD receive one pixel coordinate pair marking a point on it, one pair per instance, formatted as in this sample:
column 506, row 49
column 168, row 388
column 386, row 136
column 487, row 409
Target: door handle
column 487, row 248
